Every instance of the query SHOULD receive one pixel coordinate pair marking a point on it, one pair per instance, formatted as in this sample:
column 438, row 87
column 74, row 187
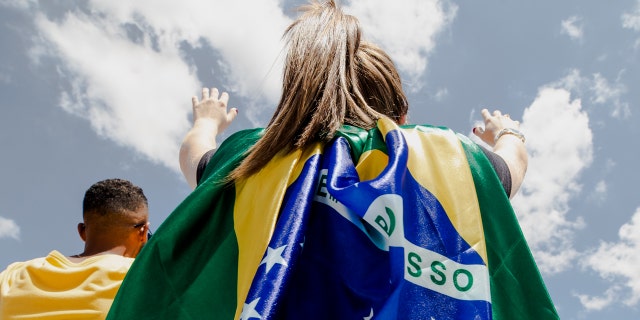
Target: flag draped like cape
column 390, row 223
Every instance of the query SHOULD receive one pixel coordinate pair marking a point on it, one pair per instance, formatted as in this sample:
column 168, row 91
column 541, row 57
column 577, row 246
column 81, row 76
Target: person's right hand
column 508, row 146
column 493, row 124
column 213, row 109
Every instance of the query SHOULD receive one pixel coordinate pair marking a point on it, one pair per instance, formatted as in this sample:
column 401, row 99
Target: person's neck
column 95, row 250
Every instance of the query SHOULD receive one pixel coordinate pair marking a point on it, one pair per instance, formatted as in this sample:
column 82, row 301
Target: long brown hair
column 331, row 78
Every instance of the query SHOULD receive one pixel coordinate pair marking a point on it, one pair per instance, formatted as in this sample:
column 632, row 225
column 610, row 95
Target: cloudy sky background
column 99, row 89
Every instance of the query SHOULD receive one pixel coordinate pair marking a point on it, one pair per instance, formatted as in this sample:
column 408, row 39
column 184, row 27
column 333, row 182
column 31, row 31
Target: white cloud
column 599, row 193
column 610, row 94
column 601, row 187
column 20, row 4
column 573, row 27
column 410, row 35
column 610, row 164
column 617, row 262
column 9, row 229
column 137, row 91
column 559, row 142
column 441, row 94
column 130, row 93
column 598, row 303
column 599, row 91
column 572, row 82
column 248, row 41
column 632, row 20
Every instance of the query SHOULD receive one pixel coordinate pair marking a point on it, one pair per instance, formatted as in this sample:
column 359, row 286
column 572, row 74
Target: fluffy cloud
column 20, row 4
column 599, row 193
column 632, row 20
column 130, row 93
column 617, row 262
column 247, row 39
column 572, row 26
column 598, row 303
column 559, row 142
column 605, row 93
column 127, row 70
column 410, row 36
column 9, row 229
column 599, row 91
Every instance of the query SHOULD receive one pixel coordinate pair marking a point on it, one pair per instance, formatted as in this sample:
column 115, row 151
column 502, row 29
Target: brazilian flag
column 392, row 223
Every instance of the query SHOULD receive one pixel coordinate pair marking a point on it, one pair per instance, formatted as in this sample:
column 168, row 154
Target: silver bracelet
column 514, row 132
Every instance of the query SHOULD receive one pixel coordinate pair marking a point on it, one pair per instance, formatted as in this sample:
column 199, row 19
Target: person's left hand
column 210, row 118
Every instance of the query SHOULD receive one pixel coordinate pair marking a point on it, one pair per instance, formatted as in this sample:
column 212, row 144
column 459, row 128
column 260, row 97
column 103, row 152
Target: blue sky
column 100, row 89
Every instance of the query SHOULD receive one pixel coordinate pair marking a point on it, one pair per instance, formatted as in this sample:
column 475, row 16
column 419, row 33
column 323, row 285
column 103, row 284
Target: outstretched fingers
column 493, row 123
column 485, row 114
column 224, row 97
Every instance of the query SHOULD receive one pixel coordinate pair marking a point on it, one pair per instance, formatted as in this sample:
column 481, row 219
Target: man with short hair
column 115, row 227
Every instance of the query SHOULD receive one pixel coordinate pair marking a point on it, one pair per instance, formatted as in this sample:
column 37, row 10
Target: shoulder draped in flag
column 392, row 223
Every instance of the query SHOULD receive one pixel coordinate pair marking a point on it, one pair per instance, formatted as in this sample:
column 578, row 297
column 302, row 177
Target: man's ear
column 403, row 119
column 82, row 231
column 142, row 233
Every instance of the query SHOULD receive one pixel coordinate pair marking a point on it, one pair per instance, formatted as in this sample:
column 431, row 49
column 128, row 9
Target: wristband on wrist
column 514, row 132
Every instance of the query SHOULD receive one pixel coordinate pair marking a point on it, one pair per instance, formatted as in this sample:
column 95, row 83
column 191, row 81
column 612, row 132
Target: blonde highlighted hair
column 331, row 77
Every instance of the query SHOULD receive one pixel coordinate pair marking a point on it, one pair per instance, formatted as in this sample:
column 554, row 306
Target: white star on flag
column 370, row 316
column 274, row 256
column 249, row 310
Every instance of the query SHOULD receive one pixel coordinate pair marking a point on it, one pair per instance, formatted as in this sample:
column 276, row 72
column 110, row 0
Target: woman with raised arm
column 338, row 209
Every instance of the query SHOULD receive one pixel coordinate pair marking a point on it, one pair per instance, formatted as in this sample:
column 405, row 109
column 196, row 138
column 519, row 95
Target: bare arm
column 508, row 146
column 210, row 118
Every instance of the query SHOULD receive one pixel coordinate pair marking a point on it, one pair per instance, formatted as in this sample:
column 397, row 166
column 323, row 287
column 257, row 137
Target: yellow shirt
column 53, row 287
